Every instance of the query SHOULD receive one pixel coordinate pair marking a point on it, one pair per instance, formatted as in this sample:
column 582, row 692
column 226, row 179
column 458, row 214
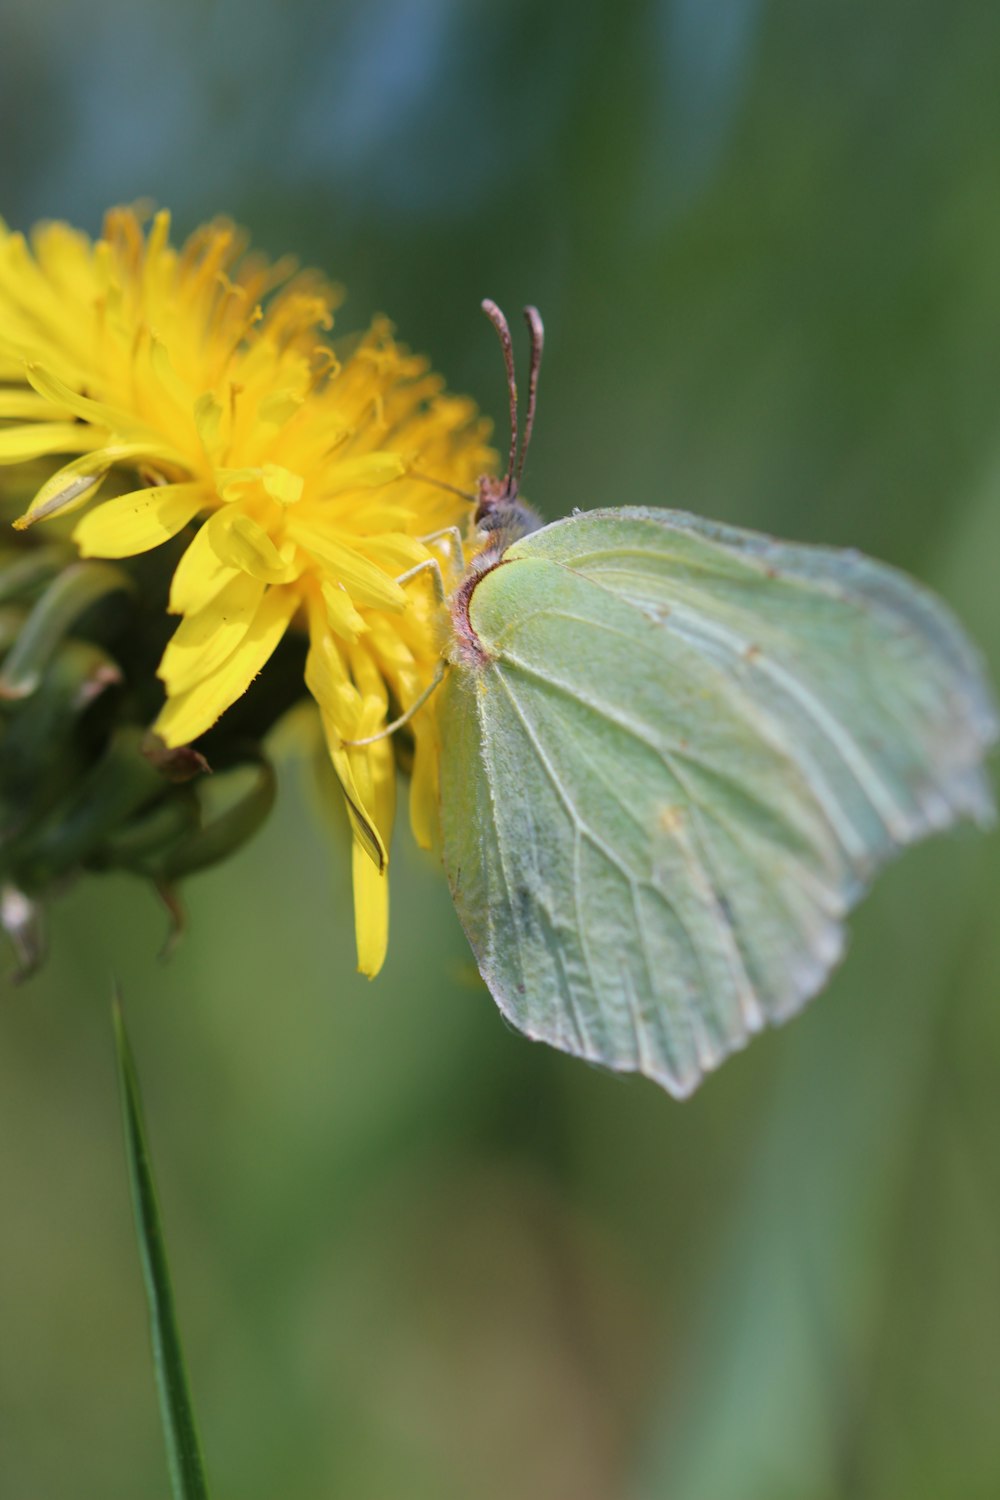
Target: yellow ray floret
column 203, row 376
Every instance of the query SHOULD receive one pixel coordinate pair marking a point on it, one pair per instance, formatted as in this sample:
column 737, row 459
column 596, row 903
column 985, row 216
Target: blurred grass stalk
column 187, row 1473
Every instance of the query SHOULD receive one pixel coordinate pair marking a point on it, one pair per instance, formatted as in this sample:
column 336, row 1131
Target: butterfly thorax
column 501, row 519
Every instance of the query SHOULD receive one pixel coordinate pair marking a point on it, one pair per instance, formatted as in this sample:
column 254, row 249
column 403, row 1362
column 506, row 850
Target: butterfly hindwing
column 689, row 749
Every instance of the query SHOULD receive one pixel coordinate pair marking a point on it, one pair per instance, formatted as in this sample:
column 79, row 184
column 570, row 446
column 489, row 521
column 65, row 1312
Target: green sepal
column 222, row 835
column 28, row 569
column 67, row 598
column 112, row 790
column 41, row 734
column 11, row 621
column 143, row 843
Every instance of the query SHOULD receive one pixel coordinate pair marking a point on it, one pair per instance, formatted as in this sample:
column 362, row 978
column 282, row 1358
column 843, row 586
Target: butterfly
column 674, row 755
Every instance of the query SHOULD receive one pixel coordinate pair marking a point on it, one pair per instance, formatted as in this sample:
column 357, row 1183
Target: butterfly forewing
column 689, row 749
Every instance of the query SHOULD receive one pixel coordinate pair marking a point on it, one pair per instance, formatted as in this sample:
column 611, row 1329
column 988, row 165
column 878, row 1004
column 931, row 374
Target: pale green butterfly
column 674, row 754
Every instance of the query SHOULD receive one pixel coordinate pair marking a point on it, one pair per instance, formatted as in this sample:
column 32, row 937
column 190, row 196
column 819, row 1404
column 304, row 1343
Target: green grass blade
column 187, row 1475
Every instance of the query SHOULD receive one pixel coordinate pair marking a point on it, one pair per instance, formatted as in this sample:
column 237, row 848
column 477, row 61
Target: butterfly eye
column 492, row 494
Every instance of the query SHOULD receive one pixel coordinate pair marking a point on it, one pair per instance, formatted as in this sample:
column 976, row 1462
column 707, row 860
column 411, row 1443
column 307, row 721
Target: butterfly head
column 500, row 516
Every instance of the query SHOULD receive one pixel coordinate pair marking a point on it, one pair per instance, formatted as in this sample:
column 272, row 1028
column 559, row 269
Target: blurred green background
column 416, row 1256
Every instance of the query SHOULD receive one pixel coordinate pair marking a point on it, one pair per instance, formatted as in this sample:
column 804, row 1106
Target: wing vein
column 696, row 857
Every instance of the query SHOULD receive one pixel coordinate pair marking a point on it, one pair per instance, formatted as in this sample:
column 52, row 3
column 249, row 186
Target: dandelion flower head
column 203, row 379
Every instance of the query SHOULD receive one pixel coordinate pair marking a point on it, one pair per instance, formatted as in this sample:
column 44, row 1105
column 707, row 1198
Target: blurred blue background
column 416, row 1256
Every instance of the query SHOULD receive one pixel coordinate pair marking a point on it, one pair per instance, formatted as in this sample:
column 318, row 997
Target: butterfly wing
column 688, row 752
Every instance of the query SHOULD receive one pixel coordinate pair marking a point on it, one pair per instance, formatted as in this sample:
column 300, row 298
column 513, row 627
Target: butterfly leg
column 453, row 536
column 404, row 718
column 433, row 567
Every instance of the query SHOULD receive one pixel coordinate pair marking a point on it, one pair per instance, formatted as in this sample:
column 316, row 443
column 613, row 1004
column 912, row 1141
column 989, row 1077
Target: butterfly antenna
column 441, row 484
column 536, row 328
column 499, row 322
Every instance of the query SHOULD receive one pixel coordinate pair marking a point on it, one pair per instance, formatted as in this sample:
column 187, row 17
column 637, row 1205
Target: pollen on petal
column 137, row 522
column 202, row 642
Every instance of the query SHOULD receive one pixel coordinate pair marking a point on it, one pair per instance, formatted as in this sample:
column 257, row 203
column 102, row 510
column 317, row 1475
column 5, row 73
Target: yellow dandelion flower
column 206, row 374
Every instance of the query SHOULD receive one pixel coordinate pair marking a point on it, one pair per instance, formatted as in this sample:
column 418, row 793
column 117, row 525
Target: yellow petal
column 19, row 403
column 367, row 472
column 394, row 654
column 327, row 678
column 394, row 550
column 139, row 521
column 203, row 641
column 381, row 516
column 372, row 687
column 340, row 709
column 189, row 715
column 279, row 407
column 160, row 365
column 374, row 772
column 201, row 572
column 35, row 439
column 281, row 484
column 363, row 825
column 208, row 414
column 77, row 482
column 95, row 413
column 424, row 782
column 231, row 481
column 371, row 912
column 343, row 618
column 364, row 581
column 159, row 258
column 243, row 543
